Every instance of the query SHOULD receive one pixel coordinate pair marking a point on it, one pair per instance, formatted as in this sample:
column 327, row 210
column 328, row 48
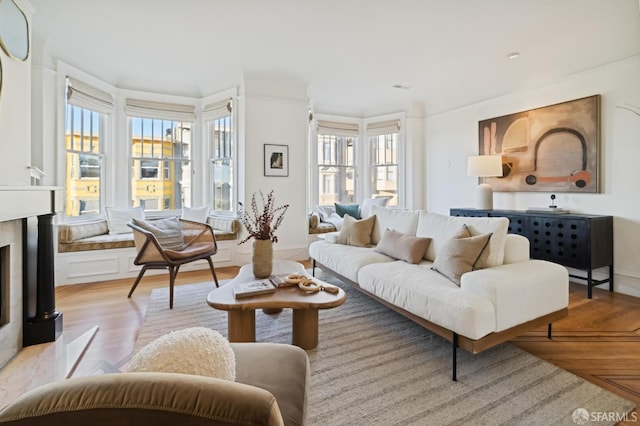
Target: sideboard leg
column 611, row 277
column 549, row 332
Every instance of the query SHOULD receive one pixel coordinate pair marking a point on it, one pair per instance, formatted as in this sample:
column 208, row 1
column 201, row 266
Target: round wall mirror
column 14, row 30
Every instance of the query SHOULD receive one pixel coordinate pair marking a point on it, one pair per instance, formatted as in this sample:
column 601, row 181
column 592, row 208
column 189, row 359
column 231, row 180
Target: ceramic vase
column 262, row 259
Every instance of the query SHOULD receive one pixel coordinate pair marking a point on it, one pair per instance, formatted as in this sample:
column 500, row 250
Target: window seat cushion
column 94, row 235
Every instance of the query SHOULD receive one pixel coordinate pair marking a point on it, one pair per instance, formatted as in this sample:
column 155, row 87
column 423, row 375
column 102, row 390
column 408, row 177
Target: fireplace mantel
column 19, row 202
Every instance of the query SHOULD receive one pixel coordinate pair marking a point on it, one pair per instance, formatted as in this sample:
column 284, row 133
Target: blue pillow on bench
column 350, row 209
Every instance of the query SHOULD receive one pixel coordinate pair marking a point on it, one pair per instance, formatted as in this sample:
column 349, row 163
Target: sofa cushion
column 429, row 295
column 167, row 231
column 543, row 285
column 345, row 260
column 402, row 246
column 197, row 350
column 405, row 221
column 117, row 219
column 356, row 232
column 459, row 255
column 440, row 228
column 352, row 210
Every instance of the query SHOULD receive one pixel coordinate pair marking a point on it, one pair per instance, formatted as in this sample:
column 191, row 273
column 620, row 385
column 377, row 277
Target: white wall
column 15, row 111
column 451, row 137
column 275, row 112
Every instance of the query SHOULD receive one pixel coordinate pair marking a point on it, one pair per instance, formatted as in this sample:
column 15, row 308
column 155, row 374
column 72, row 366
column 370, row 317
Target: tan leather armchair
column 196, row 242
column 270, row 389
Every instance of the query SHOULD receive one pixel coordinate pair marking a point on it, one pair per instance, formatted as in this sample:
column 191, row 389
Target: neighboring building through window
column 218, row 120
column 336, row 149
column 86, row 114
column 161, row 166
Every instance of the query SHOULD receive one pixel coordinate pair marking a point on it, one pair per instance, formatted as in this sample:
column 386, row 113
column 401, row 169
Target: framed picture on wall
column 276, row 160
column 555, row 148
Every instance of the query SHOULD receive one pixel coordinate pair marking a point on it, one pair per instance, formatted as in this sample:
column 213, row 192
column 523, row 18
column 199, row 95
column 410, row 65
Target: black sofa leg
column 549, row 331
column 313, row 268
column 455, row 357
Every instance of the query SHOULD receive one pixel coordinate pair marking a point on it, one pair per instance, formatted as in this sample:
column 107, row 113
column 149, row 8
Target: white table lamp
column 484, row 166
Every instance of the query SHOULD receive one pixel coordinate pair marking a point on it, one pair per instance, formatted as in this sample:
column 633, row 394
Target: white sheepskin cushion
column 198, row 351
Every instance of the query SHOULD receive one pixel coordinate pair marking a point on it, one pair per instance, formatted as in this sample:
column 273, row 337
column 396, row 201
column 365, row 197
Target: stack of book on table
column 253, row 288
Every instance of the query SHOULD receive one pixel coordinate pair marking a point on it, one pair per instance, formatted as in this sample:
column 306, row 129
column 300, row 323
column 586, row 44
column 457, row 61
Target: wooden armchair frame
column 199, row 244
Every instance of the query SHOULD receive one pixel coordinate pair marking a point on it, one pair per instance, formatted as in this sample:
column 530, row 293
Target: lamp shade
column 484, row 166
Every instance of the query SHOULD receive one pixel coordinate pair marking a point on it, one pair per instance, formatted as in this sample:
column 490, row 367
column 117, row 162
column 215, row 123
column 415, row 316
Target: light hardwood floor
column 599, row 340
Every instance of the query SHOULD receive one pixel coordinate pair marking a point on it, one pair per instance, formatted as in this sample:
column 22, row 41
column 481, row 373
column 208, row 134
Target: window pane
column 83, row 161
column 336, row 185
column 89, row 166
column 222, row 178
column 161, row 163
column 149, row 169
column 384, row 167
column 336, row 171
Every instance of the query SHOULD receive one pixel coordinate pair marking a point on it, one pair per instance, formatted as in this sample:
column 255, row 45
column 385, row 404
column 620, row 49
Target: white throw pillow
column 440, row 228
column 404, row 221
column 324, row 212
column 198, row 350
column 365, row 207
column 117, row 219
column 196, row 214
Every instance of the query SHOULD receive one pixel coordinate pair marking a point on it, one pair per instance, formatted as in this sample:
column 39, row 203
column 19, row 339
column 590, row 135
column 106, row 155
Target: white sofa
column 511, row 295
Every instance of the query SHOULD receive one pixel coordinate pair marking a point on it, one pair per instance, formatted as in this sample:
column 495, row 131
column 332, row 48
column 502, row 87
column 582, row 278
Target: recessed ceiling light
column 401, row 86
column 513, row 55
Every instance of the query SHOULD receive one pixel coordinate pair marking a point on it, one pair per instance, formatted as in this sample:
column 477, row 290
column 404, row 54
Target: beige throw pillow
column 403, row 246
column 459, row 255
column 356, row 232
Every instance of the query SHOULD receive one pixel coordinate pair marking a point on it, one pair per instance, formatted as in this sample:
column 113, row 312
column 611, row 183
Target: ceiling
column 348, row 53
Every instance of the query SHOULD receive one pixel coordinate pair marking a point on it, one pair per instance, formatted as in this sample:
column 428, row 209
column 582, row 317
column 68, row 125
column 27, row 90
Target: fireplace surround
column 27, row 268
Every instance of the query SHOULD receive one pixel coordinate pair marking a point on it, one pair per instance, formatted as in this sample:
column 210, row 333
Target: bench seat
column 94, row 235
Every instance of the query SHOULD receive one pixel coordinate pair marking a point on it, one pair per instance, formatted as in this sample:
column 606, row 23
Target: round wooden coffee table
column 242, row 312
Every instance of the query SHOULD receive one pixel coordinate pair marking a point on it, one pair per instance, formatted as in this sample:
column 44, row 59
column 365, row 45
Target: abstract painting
column 549, row 149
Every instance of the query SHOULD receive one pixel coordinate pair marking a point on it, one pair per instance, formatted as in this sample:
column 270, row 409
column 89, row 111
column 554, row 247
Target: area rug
column 374, row 367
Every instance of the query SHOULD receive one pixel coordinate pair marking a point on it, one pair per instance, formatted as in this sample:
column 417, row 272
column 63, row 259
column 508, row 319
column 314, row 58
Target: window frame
column 104, row 120
column 163, row 163
column 208, row 121
column 401, row 160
